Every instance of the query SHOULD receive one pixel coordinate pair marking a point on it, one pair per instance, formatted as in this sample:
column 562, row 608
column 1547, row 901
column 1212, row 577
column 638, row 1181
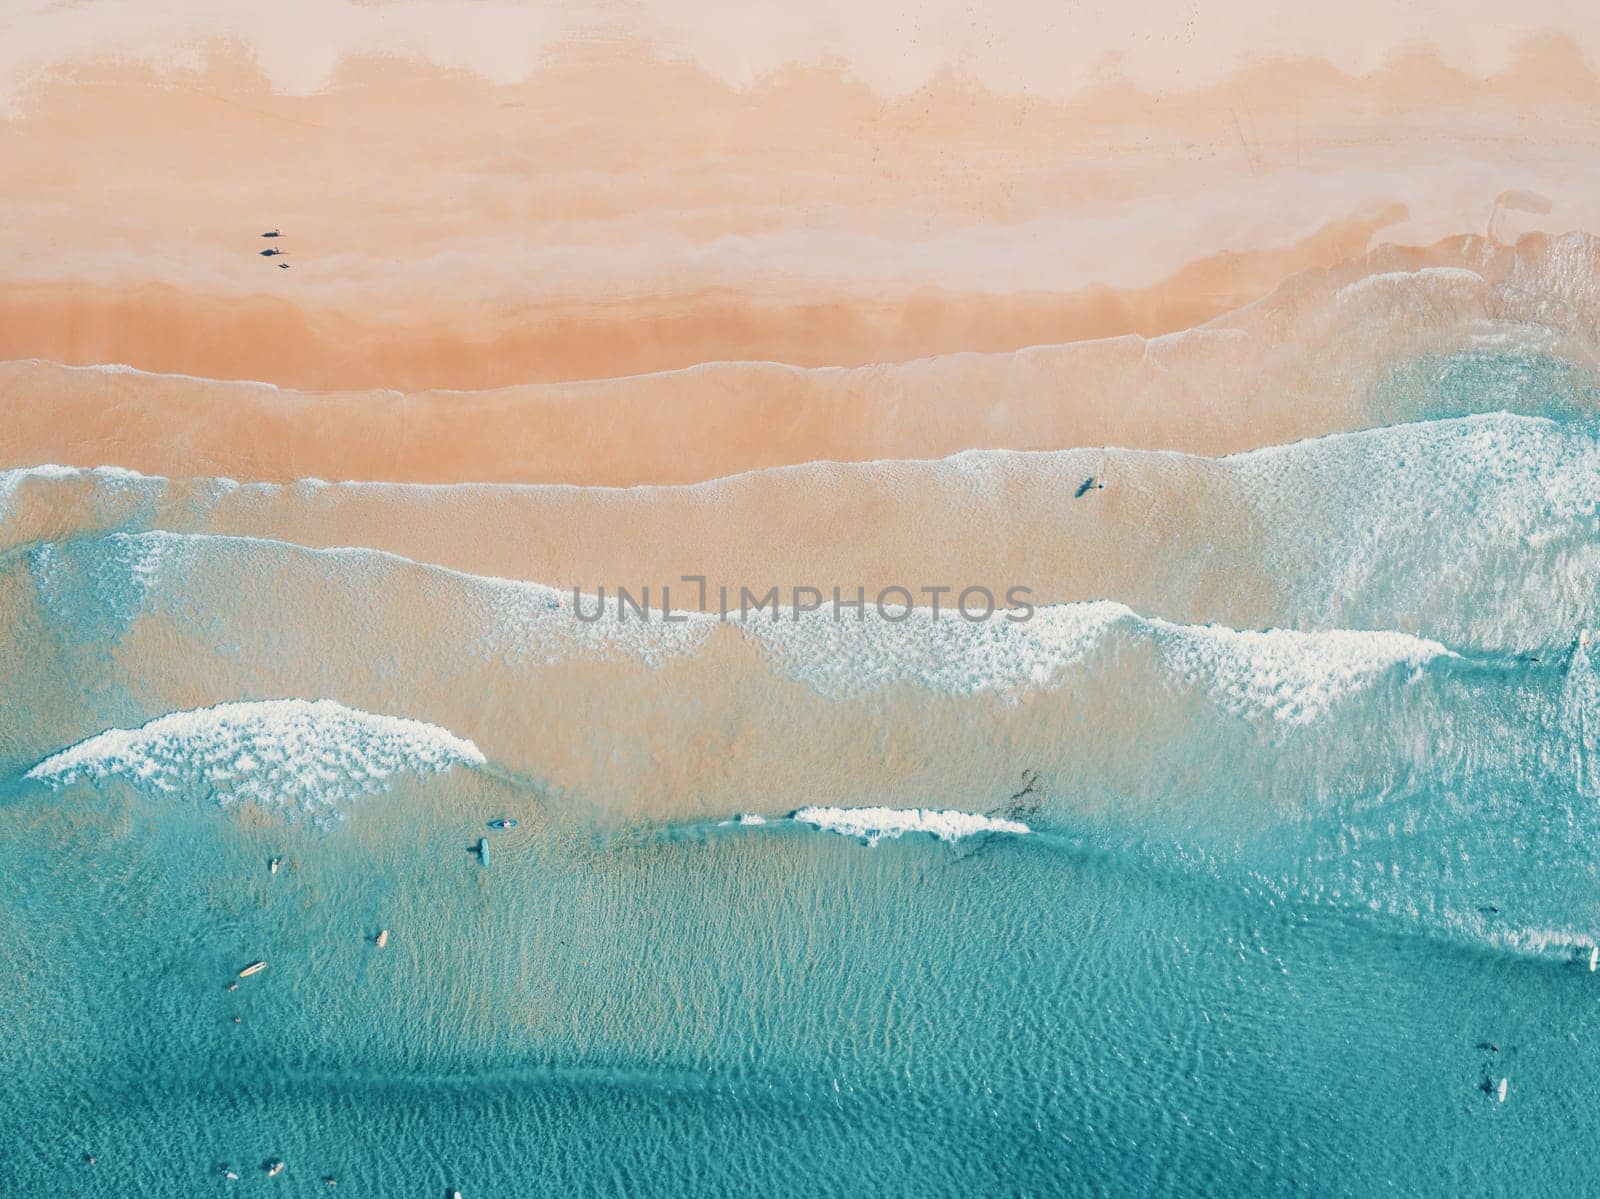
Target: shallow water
column 1111, row 901
column 760, row 1009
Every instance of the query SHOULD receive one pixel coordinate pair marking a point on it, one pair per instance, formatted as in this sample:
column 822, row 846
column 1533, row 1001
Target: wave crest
column 309, row 753
column 885, row 824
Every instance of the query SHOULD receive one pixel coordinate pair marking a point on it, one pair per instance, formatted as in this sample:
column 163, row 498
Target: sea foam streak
column 1086, row 696
column 1405, row 527
column 879, row 824
column 1282, row 674
column 311, row 753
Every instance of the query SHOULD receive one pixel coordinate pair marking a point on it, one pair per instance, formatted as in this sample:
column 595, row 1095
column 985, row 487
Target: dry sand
column 615, row 213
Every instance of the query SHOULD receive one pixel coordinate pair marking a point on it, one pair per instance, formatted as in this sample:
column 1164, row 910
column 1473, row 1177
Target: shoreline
column 1310, row 358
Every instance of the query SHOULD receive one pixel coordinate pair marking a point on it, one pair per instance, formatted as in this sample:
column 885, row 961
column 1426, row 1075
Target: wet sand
column 162, row 327
column 1303, row 362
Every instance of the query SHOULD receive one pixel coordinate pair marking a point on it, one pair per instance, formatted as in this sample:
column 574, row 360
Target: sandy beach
column 633, row 214
column 1306, row 360
column 858, row 598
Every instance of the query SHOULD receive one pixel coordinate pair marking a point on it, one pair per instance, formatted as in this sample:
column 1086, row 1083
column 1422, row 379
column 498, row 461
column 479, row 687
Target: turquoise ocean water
column 783, row 1010
column 709, row 1008
column 1288, row 914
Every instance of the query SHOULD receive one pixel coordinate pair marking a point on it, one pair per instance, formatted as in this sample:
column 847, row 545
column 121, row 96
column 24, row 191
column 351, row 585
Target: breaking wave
column 1112, row 710
column 1479, row 532
column 873, row 825
column 310, row 754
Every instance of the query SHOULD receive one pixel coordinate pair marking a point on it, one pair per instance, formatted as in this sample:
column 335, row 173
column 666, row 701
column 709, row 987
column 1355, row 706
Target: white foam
column 1281, row 674
column 1405, row 285
column 846, row 658
column 115, row 582
column 123, row 368
column 1291, row 676
column 530, row 622
column 877, row 824
column 128, row 575
column 45, row 470
column 312, row 754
